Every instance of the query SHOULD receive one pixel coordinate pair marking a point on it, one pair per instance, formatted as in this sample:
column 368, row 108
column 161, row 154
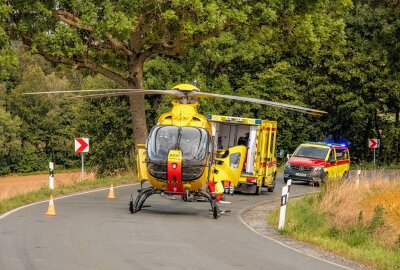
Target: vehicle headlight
column 318, row 169
column 287, row 166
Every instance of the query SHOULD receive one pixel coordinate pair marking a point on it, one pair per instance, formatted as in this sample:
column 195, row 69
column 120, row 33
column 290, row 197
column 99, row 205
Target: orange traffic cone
column 111, row 194
column 51, row 210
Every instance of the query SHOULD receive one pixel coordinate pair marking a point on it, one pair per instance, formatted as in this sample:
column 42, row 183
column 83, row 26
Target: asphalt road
column 91, row 232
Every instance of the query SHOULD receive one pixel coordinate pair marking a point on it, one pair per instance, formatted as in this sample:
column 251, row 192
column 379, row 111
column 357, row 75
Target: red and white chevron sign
column 81, row 145
column 373, row 143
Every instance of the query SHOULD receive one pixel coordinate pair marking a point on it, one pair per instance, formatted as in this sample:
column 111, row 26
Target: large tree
column 115, row 37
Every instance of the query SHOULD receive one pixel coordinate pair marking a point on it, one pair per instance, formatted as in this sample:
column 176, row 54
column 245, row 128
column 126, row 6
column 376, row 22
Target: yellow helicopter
column 180, row 156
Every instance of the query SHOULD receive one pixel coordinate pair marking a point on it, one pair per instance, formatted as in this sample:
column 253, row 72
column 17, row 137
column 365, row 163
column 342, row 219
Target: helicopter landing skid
column 140, row 199
column 147, row 192
column 217, row 212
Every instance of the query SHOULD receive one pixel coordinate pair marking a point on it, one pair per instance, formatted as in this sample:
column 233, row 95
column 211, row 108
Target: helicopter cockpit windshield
column 192, row 141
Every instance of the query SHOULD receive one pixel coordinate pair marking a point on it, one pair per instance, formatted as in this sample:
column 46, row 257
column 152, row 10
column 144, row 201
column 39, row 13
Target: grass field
column 13, row 185
column 361, row 222
column 37, row 190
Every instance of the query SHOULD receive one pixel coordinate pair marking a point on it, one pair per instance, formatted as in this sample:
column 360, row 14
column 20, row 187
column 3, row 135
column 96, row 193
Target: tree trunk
column 396, row 124
column 137, row 104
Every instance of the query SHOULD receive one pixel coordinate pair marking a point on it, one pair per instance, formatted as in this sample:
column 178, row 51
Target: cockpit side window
column 192, row 141
column 162, row 139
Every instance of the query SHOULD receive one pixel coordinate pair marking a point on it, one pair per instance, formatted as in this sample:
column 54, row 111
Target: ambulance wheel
column 323, row 180
column 258, row 190
column 271, row 189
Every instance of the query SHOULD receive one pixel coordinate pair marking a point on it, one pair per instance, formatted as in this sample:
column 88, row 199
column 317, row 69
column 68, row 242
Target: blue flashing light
column 330, row 143
column 258, row 121
column 208, row 116
column 337, row 144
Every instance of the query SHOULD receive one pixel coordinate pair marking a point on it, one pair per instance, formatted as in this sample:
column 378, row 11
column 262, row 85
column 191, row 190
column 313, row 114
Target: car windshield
column 311, row 152
column 192, row 141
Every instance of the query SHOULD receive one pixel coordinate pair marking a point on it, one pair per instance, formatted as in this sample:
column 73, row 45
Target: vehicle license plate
column 301, row 174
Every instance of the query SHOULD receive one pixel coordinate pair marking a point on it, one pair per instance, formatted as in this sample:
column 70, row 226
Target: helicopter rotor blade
column 196, row 94
column 79, row 91
column 175, row 93
column 115, row 94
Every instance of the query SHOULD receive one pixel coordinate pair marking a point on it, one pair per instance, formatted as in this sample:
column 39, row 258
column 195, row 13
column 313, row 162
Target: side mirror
column 289, row 156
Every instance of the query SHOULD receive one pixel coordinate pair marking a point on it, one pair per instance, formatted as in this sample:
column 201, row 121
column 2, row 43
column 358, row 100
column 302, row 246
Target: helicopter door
column 230, row 164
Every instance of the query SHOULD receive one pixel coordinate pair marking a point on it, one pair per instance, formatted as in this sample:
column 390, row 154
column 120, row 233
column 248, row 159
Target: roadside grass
column 58, row 169
column 358, row 222
column 44, row 193
column 372, row 166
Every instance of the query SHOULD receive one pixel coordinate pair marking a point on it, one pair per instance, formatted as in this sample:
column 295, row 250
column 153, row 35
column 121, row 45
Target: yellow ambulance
column 259, row 136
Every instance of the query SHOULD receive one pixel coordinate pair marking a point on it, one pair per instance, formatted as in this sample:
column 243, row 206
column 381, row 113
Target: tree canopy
column 339, row 56
column 114, row 38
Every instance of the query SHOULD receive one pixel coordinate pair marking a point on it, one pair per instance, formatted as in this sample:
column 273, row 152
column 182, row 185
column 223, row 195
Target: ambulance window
column 234, row 160
column 272, row 143
column 341, row 154
column 307, row 151
column 332, row 155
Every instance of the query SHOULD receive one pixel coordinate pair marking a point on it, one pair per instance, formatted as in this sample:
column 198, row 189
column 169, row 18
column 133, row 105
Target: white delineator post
column 358, row 177
column 283, row 207
column 51, row 175
column 289, row 184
